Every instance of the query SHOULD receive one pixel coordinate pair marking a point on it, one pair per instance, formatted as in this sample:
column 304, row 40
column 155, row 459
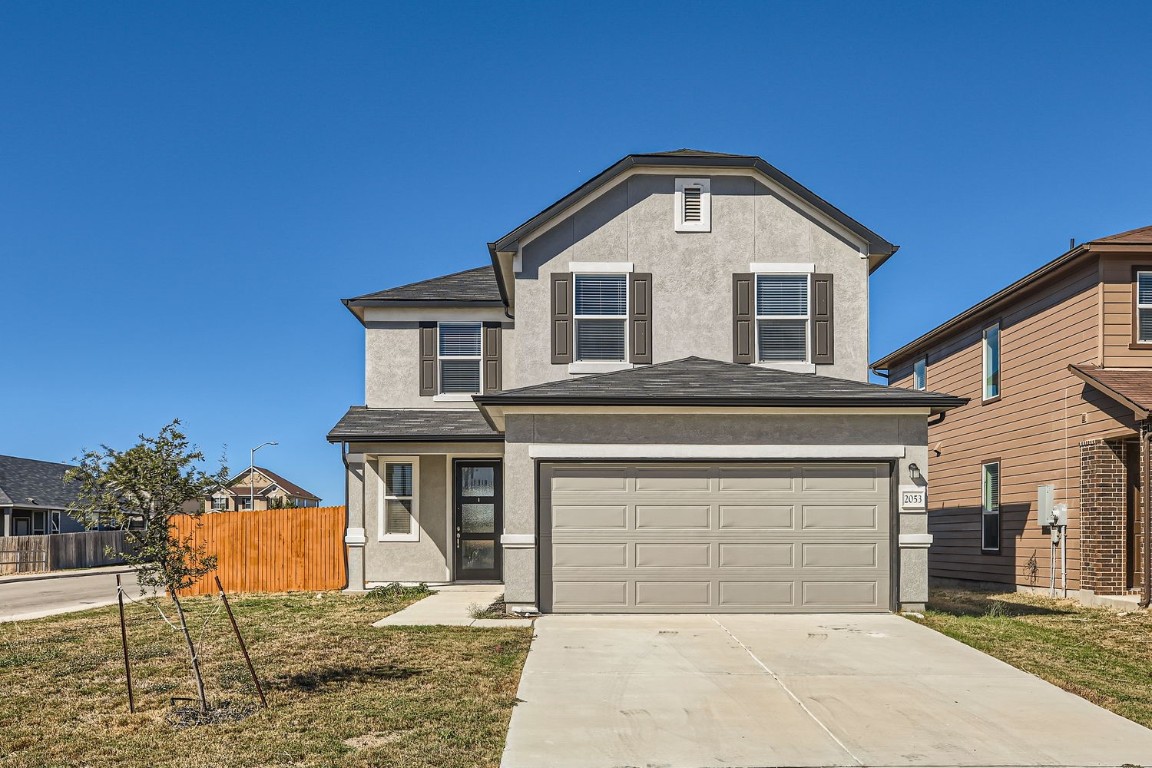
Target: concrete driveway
column 831, row 690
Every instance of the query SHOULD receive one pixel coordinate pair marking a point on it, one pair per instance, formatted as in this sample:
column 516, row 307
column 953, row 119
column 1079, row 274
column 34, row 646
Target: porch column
column 519, row 536
column 913, row 539
column 7, row 521
column 1103, row 509
column 354, row 536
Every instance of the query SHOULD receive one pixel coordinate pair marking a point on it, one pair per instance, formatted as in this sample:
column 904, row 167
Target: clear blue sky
column 188, row 189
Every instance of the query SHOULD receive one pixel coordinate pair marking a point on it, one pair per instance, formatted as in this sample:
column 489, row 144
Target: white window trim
column 382, row 469
column 1140, row 306
column 773, row 268
column 801, row 365
column 576, row 318
column 601, row 267
column 920, row 385
column 457, row 397
column 985, row 513
column 984, row 362
column 705, row 223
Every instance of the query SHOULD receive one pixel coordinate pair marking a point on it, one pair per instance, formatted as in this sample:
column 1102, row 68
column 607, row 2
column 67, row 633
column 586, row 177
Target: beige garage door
column 721, row 538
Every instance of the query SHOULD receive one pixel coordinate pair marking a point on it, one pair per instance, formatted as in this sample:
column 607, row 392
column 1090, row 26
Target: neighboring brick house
column 259, row 488
column 1058, row 369
column 654, row 399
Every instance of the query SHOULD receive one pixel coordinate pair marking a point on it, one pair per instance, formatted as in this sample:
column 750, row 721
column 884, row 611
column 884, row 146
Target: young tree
column 140, row 490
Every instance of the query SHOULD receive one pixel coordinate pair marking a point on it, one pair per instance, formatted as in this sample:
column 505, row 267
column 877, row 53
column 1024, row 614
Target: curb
column 64, row 574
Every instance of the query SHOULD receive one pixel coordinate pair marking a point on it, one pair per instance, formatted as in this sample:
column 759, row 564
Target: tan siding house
column 1063, row 401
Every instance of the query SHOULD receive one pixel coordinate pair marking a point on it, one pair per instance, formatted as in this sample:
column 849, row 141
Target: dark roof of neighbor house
column 470, row 286
column 28, row 482
column 702, row 382
column 388, row 424
column 1131, row 387
column 1140, row 236
column 877, row 245
column 287, row 485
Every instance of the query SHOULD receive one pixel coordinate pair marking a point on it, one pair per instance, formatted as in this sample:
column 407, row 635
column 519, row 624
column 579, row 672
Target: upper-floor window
column 1144, row 307
column 920, row 374
column 991, row 362
column 990, row 506
column 459, row 351
column 601, row 317
column 782, row 315
column 693, row 205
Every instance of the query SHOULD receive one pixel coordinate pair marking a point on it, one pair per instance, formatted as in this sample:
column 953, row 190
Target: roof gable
column 38, row 483
column 877, row 247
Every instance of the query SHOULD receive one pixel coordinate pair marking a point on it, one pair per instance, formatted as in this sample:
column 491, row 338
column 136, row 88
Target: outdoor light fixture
column 914, row 472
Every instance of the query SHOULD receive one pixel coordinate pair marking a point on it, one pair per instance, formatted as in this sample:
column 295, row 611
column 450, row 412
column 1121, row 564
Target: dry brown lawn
column 340, row 692
column 1100, row 654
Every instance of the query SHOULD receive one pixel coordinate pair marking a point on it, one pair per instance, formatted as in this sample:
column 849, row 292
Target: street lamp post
column 251, row 471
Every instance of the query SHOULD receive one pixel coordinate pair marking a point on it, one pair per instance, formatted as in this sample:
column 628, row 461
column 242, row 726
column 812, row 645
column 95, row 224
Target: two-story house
column 1058, row 369
column 654, row 399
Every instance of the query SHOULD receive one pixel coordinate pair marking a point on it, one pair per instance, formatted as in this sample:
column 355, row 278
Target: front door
column 478, row 520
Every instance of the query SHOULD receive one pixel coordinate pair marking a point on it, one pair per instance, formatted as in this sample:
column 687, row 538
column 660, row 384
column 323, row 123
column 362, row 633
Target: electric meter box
column 1046, row 507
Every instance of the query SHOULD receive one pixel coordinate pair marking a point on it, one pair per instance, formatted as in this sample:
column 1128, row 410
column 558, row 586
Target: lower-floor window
column 990, row 507
column 398, row 499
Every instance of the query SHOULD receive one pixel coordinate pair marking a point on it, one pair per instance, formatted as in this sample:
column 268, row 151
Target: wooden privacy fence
column 270, row 550
column 58, row 551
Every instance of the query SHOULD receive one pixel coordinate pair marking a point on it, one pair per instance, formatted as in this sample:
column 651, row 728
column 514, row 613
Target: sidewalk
column 69, row 574
column 451, row 606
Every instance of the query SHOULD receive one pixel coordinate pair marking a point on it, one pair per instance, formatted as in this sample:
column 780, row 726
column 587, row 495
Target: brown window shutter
column 823, row 340
column 743, row 318
column 491, row 358
column 640, row 317
column 427, row 359
column 561, row 318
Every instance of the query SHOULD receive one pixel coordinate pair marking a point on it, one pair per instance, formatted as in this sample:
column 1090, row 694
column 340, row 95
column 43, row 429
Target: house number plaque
column 913, row 497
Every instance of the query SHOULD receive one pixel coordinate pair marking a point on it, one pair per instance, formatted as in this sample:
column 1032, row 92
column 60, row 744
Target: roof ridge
column 438, row 277
column 1124, row 234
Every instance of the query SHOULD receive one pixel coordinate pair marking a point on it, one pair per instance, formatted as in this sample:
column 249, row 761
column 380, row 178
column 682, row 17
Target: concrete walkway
column 874, row 690
column 452, row 606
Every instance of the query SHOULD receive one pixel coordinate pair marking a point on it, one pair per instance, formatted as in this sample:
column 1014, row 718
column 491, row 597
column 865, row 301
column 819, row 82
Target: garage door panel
column 842, row 478
column 587, row 517
column 742, row 555
column 666, row 516
column 590, row 593
column 757, row 517
column 839, row 594
column 716, row 537
column 672, row 594
column 744, row 479
column 821, row 555
column 695, row 555
column 761, row 595
column 606, row 555
column 840, row 517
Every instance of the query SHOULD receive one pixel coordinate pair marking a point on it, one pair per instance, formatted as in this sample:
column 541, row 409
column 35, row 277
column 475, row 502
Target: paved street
column 786, row 690
column 45, row 597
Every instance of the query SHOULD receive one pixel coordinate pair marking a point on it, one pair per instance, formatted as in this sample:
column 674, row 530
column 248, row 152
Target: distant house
column 34, row 498
column 259, row 488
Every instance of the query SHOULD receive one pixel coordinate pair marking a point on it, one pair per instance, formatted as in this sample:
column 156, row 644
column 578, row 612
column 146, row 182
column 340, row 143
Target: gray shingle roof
column 697, row 381
column 470, row 285
column 38, row 483
column 385, row 424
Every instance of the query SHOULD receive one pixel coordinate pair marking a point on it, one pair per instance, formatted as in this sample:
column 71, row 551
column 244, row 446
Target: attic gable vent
column 693, row 205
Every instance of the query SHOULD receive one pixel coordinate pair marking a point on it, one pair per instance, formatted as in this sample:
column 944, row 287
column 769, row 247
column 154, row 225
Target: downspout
column 1146, row 497
column 939, row 419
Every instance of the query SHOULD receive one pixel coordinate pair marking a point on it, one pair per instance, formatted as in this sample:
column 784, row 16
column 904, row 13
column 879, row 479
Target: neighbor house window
column 219, row 503
column 920, row 374
column 398, row 503
column 992, row 362
column 990, row 507
column 782, row 318
column 459, row 351
column 601, row 317
column 693, row 205
column 1144, row 307
column 245, row 502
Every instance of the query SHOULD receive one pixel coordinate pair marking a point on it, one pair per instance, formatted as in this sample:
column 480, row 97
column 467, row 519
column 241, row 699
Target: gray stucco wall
column 520, row 515
column 692, row 271
column 422, row 560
